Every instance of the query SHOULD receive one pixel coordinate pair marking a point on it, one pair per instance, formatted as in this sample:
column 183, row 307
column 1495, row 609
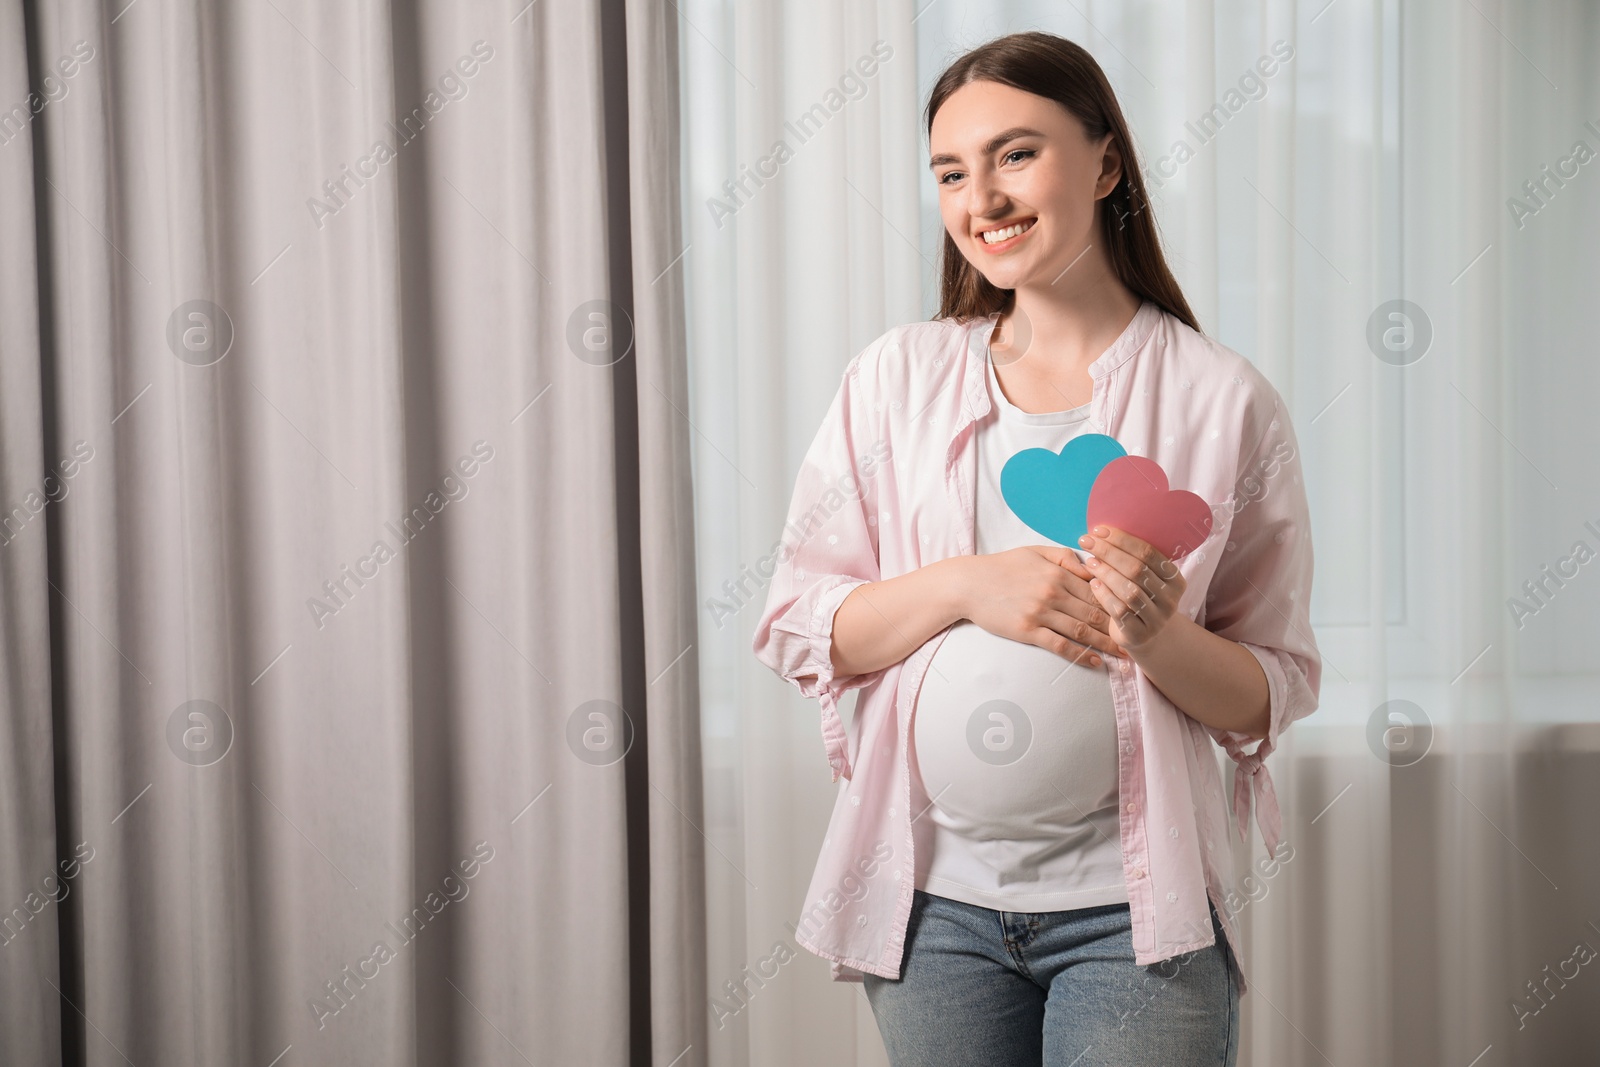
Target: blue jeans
column 984, row 988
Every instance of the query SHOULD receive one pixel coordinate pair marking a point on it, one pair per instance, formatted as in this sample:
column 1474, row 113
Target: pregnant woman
column 1030, row 846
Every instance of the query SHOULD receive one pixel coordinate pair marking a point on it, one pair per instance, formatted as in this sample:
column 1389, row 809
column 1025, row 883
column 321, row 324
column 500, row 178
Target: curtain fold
column 346, row 533
column 800, row 190
column 676, row 828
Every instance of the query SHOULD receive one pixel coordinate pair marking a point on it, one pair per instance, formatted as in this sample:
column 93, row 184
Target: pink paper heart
column 1131, row 494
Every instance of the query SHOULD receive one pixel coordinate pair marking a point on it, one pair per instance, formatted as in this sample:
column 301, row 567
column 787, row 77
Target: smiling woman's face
column 1004, row 158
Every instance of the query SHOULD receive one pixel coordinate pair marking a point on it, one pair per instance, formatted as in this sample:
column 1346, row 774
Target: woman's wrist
column 1164, row 644
column 954, row 586
column 1208, row 677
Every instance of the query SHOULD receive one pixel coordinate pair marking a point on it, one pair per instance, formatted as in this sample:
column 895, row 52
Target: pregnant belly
column 1011, row 740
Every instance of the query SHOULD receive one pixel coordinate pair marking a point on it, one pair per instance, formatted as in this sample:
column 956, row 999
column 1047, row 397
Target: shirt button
column 1172, row 831
column 1172, row 898
column 1131, row 807
column 862, row 921
column 855, row 802
column 1127, row 749
column 1125, row 667
column 1138, row 872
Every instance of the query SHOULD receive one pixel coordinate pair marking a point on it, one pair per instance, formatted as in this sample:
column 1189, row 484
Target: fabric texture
column 1052, row 989
column 1163, row 391
column 346, row 543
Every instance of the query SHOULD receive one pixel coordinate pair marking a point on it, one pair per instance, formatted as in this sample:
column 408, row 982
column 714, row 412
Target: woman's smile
column 1004, row 238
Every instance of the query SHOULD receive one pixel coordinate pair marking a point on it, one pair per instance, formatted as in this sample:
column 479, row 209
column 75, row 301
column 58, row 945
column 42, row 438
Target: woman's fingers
column 1071, row 563
column 1076, row 623
column 1075, row 580
column 1119, row 553
column 1133, row 615
column 1117, row 593
column 1081, row 632
column 1131, row 564
column 1079, row 608
column 1072, row 592
column 1077, row 599
column 1051, row 641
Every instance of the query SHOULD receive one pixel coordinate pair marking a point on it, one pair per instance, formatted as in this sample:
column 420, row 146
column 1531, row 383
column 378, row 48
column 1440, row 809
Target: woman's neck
column 1066, row 327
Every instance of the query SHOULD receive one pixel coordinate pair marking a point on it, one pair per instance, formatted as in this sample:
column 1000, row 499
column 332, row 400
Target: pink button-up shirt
column 887, row 487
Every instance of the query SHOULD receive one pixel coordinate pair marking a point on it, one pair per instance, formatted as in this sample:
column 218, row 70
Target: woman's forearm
column 881, row 623
column 1210, row 678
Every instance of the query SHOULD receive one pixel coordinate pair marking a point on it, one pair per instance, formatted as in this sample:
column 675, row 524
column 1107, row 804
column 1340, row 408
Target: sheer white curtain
column 797, row 257
column 1438, row 801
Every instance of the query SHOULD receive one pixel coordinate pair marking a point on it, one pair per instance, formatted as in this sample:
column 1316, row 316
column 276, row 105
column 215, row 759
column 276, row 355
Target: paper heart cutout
column 1131, row 494
column 1050, row 491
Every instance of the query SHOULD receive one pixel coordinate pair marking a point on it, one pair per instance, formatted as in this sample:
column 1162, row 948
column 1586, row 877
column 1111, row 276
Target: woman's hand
column 1138, row 587
column 1039, row 595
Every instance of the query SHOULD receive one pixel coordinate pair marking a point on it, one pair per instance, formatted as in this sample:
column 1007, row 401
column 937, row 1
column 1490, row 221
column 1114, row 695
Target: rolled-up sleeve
column 1260, row 597
column 828, row 547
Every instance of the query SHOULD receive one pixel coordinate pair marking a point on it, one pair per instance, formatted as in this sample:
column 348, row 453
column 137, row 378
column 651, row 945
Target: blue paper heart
column 1049, row 491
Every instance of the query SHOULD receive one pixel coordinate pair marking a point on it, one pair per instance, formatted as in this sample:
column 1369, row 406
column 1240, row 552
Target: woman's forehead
column 975, row 117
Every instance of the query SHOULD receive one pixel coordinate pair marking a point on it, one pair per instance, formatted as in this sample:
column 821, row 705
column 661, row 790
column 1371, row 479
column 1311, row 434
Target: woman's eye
column 944, row 179
column 1016, row 152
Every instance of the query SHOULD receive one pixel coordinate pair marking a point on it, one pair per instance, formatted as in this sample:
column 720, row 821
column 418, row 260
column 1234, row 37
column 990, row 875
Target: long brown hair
column 1057, row 69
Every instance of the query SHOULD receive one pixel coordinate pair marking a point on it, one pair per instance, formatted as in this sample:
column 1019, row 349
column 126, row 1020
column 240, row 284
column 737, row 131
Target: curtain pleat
column 347, row 565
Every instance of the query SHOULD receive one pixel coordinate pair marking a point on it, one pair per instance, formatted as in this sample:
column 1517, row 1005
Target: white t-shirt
column 1017, row 747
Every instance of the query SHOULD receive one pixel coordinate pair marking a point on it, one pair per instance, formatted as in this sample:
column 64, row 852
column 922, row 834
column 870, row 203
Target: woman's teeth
column 996, row 236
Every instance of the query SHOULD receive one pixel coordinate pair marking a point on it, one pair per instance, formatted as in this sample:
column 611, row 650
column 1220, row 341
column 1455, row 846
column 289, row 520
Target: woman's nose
column 988, row 199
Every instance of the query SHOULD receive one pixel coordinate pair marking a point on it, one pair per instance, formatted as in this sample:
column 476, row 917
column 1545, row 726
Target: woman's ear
column 1110, row 167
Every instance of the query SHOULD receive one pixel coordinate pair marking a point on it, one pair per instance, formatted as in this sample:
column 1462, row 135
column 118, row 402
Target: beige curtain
column 346, row 571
